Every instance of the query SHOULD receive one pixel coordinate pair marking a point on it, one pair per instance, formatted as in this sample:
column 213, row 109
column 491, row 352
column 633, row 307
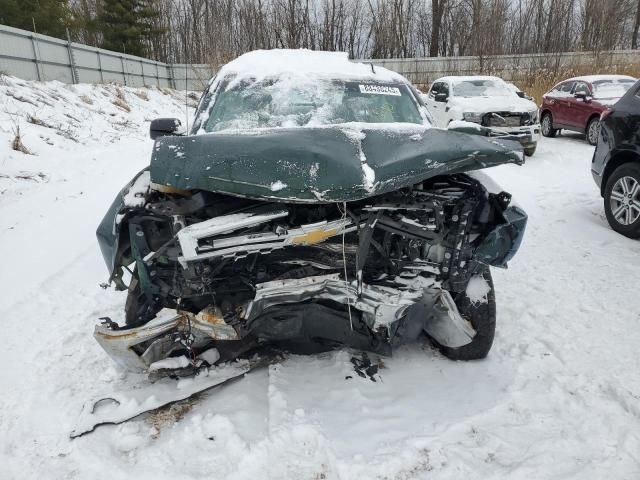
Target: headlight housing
column 533, row 114
column 472, row 117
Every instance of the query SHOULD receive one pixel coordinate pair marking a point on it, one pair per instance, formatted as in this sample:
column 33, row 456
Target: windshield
column 283, row 102
column 611, row 88
column 481, row 88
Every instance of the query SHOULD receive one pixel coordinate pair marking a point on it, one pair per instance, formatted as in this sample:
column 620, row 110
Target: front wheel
column 530, row 150
column 477, row 305
column 593, row 130
column 546, row 126
column 622, row 200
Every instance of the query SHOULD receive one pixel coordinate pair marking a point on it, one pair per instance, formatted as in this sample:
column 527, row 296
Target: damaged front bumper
column 138, row 348
column 528, row 136
column 265, row 274
column 373, row 318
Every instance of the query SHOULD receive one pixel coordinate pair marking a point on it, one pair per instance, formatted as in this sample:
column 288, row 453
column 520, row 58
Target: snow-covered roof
column 296, row 71
column 596, row 78
column 463, row 78
column 304, row 63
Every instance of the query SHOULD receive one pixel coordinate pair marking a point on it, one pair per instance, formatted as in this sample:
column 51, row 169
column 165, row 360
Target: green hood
column 315, row 165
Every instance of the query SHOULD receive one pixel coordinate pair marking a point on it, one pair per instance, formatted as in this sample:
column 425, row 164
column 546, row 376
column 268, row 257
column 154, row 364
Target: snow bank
column 56, row 120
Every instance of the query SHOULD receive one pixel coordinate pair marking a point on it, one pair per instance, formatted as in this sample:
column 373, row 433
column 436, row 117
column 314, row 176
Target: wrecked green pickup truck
column 310, row 205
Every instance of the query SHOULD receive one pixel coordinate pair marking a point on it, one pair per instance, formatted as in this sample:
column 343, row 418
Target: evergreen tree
column 51, row 17
column 127, row 25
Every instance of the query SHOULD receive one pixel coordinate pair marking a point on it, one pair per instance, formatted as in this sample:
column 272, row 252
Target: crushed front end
column 521, row 127
column 211, row 271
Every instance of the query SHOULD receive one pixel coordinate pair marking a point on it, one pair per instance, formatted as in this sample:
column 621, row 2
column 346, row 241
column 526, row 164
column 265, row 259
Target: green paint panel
column 315, row 165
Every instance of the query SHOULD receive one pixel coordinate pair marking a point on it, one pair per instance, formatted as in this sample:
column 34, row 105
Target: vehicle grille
column 506, row 119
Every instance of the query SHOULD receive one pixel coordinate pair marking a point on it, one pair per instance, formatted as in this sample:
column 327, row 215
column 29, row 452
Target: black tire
column 530, row 150
column 631, row 230
column 546, row 126
column 482, row 317
column 592, row 131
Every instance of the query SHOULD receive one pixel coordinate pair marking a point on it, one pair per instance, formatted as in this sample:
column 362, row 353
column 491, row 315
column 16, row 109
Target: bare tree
column 636, row 27
column 215, row 31
column 438, row 8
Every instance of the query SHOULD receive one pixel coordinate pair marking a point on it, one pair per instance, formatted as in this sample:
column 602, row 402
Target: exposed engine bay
column 207, row 270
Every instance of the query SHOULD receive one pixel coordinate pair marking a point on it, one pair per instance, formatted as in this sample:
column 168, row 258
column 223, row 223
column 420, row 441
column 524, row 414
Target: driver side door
column 561, row 109
column 579, row 109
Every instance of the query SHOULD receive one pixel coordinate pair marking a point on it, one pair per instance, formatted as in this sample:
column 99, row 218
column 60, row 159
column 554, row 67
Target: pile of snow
column 65, row 119
column 557, row 398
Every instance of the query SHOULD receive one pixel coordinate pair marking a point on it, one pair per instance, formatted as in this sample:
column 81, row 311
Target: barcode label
column 380, row 90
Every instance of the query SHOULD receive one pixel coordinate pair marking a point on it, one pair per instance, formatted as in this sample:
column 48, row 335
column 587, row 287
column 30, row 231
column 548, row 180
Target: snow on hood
column 609, row 91
column 491, row 104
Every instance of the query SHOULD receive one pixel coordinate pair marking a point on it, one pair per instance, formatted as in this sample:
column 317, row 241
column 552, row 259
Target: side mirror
column 581, row 95
column 441, row 97
column 161, row 127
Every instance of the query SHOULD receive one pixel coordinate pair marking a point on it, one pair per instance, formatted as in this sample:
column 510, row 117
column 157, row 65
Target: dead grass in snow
column 120, row 101
column 17, row 144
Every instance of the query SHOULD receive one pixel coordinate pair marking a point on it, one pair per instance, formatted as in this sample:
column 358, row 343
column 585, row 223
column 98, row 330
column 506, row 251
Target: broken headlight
column 533, row 115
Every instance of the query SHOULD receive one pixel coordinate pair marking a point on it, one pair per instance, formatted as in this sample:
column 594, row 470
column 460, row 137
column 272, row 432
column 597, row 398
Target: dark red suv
column 576, row 104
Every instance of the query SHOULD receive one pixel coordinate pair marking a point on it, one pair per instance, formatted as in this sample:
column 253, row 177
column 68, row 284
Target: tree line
column 215, row 31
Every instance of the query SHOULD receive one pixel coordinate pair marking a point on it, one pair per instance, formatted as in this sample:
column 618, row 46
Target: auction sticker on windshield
column 380, row 90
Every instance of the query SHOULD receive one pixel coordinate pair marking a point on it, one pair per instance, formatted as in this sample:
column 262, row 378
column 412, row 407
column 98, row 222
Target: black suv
column 616, row 163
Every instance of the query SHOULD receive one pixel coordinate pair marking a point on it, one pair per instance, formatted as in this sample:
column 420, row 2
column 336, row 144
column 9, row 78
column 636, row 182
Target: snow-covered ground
column 558, row 397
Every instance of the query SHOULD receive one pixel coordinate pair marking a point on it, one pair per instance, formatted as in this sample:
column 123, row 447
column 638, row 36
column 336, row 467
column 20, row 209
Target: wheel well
column 544, row 112
column 614, row 162
column 594, row 115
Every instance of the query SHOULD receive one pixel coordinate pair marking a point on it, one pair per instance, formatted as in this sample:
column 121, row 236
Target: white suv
column 487, row 101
